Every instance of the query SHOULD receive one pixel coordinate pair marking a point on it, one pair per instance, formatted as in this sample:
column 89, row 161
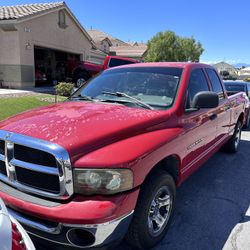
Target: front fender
column 139, row 153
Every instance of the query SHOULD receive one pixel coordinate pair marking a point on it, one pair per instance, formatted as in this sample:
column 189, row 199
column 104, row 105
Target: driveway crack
column 234, row 237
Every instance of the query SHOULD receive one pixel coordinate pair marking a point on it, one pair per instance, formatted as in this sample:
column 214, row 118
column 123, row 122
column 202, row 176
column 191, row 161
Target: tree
column 167, row 46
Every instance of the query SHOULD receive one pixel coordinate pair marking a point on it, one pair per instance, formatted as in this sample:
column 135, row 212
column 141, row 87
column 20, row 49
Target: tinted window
column 156, row 86
column 197, row 83
column 235, row 87
column 215, row 81
column 118, row 62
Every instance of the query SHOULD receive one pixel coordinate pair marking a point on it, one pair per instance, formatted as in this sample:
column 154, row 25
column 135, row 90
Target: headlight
column 102, row 181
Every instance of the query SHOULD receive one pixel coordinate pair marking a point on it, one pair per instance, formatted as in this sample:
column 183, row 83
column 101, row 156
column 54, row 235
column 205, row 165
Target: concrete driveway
column 213, row 206
column 30, row 91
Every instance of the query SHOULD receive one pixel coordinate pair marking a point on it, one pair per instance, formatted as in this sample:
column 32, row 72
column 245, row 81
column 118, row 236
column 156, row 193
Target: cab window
column 216, row 83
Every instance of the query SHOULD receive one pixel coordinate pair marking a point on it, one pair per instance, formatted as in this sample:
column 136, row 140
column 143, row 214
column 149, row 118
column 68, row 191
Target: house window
column 105, row 47
column 62, row 19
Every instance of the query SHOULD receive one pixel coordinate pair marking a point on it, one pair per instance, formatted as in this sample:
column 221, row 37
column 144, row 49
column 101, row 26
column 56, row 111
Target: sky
column 222, row 26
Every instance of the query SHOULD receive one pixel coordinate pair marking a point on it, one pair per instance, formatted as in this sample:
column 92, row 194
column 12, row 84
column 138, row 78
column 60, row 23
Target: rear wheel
column 233, row 144
column 80, row 82
column 153, row 211
column 80, row 77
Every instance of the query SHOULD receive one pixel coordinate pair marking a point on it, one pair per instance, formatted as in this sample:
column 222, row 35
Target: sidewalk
column 31, row 91
column 12, row 91
column 239, row 237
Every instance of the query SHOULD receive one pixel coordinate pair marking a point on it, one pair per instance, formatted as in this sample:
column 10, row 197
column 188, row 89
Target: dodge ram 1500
column 105, row 164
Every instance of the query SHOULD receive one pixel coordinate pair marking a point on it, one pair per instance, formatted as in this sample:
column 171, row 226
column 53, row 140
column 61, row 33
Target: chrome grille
column 2, row 147
column 35, row 166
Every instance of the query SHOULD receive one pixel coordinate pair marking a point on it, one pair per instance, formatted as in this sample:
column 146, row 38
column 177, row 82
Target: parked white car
column 12, row 234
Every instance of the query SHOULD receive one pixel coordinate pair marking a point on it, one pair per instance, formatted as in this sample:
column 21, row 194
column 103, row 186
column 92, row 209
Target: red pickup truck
column 82, row 71
column 105, row 164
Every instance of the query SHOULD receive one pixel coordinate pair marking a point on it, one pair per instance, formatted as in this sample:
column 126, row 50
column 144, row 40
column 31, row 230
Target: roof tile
column 19, row 11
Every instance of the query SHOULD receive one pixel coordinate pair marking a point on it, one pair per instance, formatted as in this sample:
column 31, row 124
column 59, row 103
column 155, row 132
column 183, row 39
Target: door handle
column 213, row 117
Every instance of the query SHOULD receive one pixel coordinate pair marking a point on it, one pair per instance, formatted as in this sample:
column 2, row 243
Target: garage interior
column 52, row 66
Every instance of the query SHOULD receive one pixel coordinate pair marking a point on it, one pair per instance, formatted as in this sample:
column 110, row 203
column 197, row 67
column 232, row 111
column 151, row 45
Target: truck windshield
column 153, row 86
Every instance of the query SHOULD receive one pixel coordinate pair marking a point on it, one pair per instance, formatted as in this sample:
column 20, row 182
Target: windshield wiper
column 82, row 97
column 121, row 94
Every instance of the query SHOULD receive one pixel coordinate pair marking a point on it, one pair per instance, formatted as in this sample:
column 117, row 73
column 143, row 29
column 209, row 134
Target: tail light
column 17, row 240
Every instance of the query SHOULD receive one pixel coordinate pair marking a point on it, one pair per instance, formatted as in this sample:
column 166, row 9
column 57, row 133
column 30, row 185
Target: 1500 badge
column 194, row 144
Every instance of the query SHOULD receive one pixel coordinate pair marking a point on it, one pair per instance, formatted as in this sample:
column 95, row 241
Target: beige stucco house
column 101, row 40
column 117, row 47
column 135, row 51
column 244, row 73
column 223, row 66
column 36, row 40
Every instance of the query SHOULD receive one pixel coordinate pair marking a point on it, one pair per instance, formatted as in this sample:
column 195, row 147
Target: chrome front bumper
column 75, row 235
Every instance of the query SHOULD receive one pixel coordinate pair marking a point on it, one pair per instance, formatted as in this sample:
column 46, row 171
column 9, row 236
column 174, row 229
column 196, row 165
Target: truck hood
column 81, row 127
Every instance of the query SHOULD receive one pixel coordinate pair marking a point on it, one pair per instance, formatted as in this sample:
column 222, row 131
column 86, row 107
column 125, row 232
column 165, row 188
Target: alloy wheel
column 160, row 211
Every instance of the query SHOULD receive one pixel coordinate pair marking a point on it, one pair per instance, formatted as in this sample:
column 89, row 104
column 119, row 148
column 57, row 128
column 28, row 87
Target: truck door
column 200, row 125
column 223, row 111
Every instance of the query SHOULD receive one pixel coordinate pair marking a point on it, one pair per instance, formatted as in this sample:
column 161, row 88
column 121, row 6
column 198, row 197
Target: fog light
column 80, row 237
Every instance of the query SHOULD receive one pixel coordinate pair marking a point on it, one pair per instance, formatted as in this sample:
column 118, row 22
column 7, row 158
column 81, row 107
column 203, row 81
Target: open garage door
column 53, row 66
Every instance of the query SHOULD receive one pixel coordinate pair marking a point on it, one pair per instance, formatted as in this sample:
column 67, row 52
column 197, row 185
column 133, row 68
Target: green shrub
column 64, row 88
column 247, row 79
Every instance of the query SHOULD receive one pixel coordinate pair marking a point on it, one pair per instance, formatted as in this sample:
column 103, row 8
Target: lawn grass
column 14, row 105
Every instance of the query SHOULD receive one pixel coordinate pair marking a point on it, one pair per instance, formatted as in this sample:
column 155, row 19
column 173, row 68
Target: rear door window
column 216, row 83
column 248, row 90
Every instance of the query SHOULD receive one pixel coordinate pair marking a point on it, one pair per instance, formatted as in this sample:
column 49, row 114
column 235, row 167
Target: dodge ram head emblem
column 8, row 135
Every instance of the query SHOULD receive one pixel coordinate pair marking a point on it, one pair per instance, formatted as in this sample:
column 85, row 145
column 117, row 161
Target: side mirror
column 205, row 100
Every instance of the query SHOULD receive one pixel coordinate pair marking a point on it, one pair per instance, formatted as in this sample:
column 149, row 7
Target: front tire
column 153, row 211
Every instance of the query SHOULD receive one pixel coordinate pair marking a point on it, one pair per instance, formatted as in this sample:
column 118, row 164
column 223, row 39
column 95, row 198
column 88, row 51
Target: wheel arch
column 241, row 118
column 170, row 164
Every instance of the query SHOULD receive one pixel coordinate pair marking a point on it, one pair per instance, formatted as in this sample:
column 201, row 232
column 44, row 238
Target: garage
column 52, row 66
column 39, row 43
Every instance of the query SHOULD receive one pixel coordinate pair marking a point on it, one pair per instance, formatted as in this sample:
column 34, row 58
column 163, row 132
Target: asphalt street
column 213, row 206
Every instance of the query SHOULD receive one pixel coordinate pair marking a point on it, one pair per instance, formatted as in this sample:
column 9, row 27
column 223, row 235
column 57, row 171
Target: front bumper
column 85, row 222
column 75, row 235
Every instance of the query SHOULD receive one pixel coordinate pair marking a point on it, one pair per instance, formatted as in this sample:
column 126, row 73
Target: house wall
column 97, row 56
column 41, row 31
column 10, row 70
